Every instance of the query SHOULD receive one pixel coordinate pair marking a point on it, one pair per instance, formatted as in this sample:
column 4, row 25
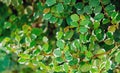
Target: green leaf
column 53, row 10
column 83, row 48
column 26, row 28
column 85, row 67
column 57, row 68
column 112, row 28
column 113, row 15
column 66, row 67
column 89, row 54
column 96, row 25
column 109, row 35
column 99, row 16
column 85, row 22
column 60, row 7
column 83, row 30
column 97, row 31
column 80, row 11
column 87, row 9
column 109, row 41
column 60, row 44
column 69, row 20
column 67, row 1
column 97, row 9
column 25, row 56
column 7, row 25
column 77, row 43
column 110, row 8
column 79, row 5
column 45, row 47
column 118, row 18
column 33, row 37
column 22, row 60
column 59, row 35
column 105, row 21
column 33, row 43
column 73, row 62
column 94, row 3
column 100, row 36
column 94, row 70
column 117, row 57
column 45, row 39
column 36, row 31
column 12, row 17
column 74, row 17
column 68, row 35
column 47, row 16
column 59, row 22
column 42, row 65
column 83, row 38
column 108, row 64
column 53, row 19
column 50, row 2
column 59, row 59
column 117, row 36
column 100, row 51
column 57, row 52
column 92, row 38
column 74, row 24
column 68, row 56
column 37, row 52
column 66, row 48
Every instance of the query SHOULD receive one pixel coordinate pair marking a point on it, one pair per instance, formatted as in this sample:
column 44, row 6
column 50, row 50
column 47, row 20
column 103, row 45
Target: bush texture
column 59, row 36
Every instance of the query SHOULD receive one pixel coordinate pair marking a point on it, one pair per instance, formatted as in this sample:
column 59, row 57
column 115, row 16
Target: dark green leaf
column 99, row 16
column 87, row 9
column 94, row 3
column 97, row 9
column 7, row 25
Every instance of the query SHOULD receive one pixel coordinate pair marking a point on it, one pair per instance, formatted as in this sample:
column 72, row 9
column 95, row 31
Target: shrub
column 60, row 36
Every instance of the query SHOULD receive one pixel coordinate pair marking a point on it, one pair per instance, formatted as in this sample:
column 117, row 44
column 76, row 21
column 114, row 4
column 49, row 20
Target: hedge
column 59, row 36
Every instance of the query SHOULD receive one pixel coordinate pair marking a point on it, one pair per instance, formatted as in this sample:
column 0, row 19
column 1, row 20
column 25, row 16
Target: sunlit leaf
column 74, row 17
column 60, row 44
column 50, row 2
column 57, row 53
column 117, row 57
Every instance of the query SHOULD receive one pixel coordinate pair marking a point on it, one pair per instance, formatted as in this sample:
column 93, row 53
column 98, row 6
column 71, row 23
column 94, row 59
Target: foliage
column 59, row 36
